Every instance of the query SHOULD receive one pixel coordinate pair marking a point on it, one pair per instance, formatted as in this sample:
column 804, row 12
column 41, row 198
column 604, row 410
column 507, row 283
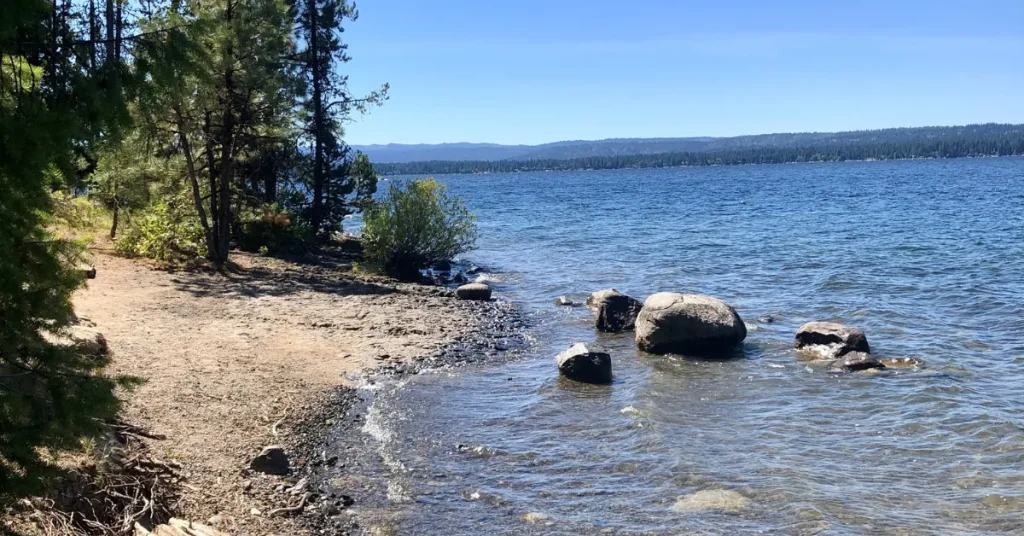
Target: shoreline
column 270, row 355
column 701, row 166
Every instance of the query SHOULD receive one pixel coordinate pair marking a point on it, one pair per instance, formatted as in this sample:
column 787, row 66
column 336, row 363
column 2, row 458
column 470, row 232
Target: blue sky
column 531, row 71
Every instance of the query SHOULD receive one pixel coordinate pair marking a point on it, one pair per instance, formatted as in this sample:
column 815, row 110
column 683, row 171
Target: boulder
column 585, row 365
column 831, row 340
column 443, row 266
column 474, row 291
column 614, row 312
column 599, row 296
column 687, row 323
column 88, row 340
column 854, row 361
column 272, row 460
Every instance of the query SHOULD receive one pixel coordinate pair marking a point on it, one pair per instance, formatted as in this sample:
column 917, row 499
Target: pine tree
column 50, row 395
column 327, row 105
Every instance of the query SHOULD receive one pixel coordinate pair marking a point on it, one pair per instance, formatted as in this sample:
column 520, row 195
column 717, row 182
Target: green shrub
column 163, row 231
column 415, row 225
column 267, row 230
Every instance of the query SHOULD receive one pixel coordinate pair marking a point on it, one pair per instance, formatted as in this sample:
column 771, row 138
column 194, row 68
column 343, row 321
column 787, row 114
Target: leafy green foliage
column 165, row 231
column 414, row 225
column 268, row 230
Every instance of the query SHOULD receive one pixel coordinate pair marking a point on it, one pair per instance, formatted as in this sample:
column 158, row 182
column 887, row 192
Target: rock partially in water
column 711, row 499
column 831, row 340
column 272, row 460
column 614, row 312
column 474, row 291
column 443, row 266
column 585, row 365
column 565, row 301
column 682, row 323
column 536, row 517
column 854, row 361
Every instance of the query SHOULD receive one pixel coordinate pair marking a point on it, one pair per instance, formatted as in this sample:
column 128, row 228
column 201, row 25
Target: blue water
column 926, row 256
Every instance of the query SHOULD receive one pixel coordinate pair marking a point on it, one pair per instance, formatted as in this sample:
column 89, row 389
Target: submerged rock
column 831, row 340
column 671, row 322
column 902, row 362
column 272, row 460
column 711, row 499
column 582, row 364
column 536, row 517
column 854, row 361
column 474, row 291
column 614, row 312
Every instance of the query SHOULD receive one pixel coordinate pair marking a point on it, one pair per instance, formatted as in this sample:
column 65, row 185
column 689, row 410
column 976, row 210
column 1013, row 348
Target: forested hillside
column 890, row 144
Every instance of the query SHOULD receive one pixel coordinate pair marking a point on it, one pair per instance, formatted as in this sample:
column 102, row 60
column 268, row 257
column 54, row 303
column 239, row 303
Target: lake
column 926, row 256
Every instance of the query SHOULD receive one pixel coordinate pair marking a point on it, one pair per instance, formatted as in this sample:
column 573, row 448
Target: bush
column 415, row 225
column 268, row 230
column 163, row 232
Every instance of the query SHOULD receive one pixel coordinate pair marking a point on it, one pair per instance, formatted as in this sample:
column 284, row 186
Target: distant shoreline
column 386, row 169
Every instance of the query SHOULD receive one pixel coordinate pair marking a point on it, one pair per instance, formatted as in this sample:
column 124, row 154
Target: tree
column 50, row 394
column 327, row 104
column 414, row 225
column 217, row 88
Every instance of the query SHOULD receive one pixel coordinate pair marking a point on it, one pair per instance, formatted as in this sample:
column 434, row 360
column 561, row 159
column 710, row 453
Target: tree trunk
column 227, row 156
column 109, row 46
column 197, row 194
column 113, row 225
column 316, row 215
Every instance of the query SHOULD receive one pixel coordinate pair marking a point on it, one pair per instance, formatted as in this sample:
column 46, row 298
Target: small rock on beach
column 474, row 291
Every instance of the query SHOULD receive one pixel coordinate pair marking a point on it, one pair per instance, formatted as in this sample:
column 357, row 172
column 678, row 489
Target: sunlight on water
column 926, row 257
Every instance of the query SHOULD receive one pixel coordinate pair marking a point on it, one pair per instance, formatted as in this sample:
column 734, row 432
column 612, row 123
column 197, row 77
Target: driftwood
column 178, row 527
column 291, row 509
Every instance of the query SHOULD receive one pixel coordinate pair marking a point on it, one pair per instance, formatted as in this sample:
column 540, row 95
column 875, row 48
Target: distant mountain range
column 616, row 147
column 888, row 144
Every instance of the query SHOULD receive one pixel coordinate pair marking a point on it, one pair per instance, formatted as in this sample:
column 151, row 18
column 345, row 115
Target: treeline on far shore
column 1008, row 143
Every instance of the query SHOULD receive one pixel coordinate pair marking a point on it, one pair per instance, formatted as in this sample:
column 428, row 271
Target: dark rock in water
column 767, row 319
column 831, row 340
column 443, row 266
column 687, row 323
column 459, row 278
column 614, row 312
column 272, row 461
column 474, row 291
column 582, row 364
column 473, row 270
column 855, row 361
column 564, row 301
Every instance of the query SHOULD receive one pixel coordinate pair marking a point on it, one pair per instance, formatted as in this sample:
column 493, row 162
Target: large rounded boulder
column 614, row 312
column 583, row 364
column 687, row 323
column 474, row 291
column 830, row 340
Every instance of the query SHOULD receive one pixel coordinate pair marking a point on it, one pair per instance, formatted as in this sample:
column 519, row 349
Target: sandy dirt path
column 227, row 356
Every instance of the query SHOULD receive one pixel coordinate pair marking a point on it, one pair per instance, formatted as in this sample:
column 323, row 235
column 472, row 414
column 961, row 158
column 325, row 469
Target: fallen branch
column 291, row 509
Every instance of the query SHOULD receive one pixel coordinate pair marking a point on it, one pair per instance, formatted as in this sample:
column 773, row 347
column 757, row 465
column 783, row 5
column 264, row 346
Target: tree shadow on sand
column 256, row 276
